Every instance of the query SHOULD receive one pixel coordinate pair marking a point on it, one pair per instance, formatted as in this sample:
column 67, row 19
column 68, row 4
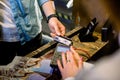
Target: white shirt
column 7, row 25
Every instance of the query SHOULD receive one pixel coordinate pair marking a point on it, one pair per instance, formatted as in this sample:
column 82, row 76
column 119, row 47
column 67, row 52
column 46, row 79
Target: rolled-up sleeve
column 41, row 2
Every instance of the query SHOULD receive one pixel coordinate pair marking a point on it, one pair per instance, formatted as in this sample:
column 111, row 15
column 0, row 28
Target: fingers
column 76, row 55
column 80, row 63
column 53, row 35
column 63, row 62
column 56, row 27
column 64, row 59
column 69, row 56
column 62, row 29
column 59, row 65
column 57, row 30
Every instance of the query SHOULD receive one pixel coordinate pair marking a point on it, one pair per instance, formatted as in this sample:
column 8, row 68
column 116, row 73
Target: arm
column 56, row 27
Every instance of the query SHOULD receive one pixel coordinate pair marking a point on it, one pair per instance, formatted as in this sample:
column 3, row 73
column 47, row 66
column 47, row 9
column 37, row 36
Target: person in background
column 107, row 68
column 20, row 26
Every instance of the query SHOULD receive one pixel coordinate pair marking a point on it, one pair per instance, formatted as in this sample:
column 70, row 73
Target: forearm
column 48, row 8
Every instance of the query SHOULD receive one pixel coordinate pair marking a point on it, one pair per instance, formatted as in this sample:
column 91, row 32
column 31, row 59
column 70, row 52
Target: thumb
column 53, row 35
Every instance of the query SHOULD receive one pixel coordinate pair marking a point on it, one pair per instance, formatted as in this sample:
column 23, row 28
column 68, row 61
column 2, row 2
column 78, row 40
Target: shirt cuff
column 70, row 78
column 41, row 2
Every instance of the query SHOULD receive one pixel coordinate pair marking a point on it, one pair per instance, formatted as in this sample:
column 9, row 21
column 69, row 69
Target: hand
column 71, row 64
column 56, row 27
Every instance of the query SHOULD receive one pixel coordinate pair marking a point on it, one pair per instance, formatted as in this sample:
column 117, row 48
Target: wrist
column 51, row 16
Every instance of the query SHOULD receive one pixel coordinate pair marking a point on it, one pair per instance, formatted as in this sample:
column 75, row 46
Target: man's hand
column 56, row 27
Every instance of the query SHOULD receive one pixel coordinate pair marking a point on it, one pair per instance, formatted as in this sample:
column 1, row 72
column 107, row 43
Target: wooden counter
column 85, row 49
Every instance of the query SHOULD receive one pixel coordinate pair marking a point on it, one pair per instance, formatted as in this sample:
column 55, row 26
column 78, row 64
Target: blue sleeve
column 41, row 2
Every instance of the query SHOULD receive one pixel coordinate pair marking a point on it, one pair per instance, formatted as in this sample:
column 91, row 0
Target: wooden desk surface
column 88, row 49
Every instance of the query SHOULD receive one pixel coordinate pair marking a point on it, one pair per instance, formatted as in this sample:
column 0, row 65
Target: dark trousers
column 8, row 50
